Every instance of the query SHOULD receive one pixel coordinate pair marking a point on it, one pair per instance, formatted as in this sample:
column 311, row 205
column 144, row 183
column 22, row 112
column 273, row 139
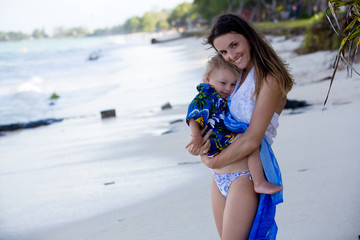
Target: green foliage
column 116, row 30
column 287, row 27
column 319, row 36
column 13, row 36
column 60, row 32
column 349, row 33
column 133, row 24
column 102, row 32
column 149, row 21
column 39, row 34
column 182, row 13
column 208, row 9
column 54, row 96
column 162, row 20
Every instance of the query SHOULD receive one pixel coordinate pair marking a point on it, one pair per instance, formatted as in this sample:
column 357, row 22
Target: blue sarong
column 264, row 226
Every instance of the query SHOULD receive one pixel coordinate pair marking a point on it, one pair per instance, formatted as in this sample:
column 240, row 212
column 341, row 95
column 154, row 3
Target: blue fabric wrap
column 264, row 225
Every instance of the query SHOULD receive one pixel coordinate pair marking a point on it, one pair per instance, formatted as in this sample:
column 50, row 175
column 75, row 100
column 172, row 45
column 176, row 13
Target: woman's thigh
column 240, row 209
column 218, row 206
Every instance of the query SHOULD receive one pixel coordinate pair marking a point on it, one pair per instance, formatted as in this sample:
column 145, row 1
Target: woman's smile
column 237, row 61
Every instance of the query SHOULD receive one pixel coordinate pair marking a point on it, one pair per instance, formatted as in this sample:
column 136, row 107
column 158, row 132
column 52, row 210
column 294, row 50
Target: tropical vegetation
column 195, row 14
column 348, row 32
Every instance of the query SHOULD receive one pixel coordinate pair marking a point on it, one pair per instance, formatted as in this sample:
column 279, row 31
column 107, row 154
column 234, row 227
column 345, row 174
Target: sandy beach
column 316, row 148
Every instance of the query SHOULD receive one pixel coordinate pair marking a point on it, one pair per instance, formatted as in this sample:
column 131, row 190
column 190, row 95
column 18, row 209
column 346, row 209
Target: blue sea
column 56, row 174
column 130, row 75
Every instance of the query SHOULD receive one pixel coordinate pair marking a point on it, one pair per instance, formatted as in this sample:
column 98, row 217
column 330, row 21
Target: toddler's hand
column 195, row 144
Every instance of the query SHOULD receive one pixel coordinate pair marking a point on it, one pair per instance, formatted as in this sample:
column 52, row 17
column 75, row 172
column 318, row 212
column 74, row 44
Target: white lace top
column 243, row 104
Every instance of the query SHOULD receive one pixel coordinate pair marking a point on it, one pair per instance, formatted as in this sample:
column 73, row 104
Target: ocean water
column 129, row 67
column 56, row 174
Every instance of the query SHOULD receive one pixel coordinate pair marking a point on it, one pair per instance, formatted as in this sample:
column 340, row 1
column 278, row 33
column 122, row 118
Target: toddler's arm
column 196, row 140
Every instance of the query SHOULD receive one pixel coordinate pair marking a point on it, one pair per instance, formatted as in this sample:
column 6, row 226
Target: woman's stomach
column 238, row 166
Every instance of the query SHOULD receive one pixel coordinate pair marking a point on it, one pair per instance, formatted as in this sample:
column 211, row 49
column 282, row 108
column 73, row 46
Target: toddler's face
column 223, row 80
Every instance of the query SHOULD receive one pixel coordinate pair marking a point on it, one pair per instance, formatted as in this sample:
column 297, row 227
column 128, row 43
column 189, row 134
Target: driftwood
column 32, row 124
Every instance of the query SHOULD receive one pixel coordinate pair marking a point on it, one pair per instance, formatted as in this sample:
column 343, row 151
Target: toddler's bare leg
column 257, row 173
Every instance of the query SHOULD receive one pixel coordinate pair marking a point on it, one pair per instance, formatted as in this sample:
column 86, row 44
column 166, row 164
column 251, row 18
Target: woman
column 257, row 103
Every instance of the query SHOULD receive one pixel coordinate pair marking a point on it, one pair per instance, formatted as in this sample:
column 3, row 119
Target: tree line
column 196, row 14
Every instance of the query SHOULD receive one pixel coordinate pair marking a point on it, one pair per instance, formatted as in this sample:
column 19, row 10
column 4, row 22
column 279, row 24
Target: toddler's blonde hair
column 218, row 61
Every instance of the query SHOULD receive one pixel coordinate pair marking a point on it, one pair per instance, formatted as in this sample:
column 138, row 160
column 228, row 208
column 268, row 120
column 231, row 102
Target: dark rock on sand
column 108, row 113
column 166, row 106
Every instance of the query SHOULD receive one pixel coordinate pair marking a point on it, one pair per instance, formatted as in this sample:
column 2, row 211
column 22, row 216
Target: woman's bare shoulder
column 272, row 92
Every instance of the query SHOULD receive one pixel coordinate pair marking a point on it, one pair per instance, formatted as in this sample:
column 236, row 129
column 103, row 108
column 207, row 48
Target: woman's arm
column 267, row 103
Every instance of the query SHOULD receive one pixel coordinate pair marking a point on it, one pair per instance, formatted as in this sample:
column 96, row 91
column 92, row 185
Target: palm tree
column 349, row 34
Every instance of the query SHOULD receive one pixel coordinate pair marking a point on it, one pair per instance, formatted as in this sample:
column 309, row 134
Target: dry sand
column 317, row 149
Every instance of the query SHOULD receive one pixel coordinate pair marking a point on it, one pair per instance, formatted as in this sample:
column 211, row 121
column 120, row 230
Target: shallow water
column 130, row 75
column 75, row 169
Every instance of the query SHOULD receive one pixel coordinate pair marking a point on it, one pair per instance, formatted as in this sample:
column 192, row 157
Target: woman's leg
column 218, row 205
column 240, row 210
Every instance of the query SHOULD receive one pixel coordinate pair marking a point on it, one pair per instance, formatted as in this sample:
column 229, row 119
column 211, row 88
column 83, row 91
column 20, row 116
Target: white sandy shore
column 317, row 150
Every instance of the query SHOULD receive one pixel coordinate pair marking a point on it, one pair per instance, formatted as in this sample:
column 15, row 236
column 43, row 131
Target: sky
column 27, row 15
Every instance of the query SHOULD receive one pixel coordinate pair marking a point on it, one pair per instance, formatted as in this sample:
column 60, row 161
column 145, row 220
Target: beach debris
column 54, row 96
column 188, row 163
column 302, row 170
column 341, row 102
column 172, row 38
column 176, row 121
column 32, row 124
column 167, row 132
column 108, row 113
column 166, row 106
column 109, row 183
column 121, row 219
column 154, row 40
column 94, row 55
column 324, row 79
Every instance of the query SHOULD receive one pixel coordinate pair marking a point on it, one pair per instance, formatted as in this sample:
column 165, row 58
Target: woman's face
column 235, row 49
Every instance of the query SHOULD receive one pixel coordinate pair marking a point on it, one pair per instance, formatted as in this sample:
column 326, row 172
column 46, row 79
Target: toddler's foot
column 267, row 188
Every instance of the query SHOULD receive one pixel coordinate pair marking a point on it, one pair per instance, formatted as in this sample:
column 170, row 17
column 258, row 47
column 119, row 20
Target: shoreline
column 316, row 149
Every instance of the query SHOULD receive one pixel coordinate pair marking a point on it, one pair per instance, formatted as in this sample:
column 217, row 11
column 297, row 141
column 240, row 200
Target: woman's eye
column 234, row 45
